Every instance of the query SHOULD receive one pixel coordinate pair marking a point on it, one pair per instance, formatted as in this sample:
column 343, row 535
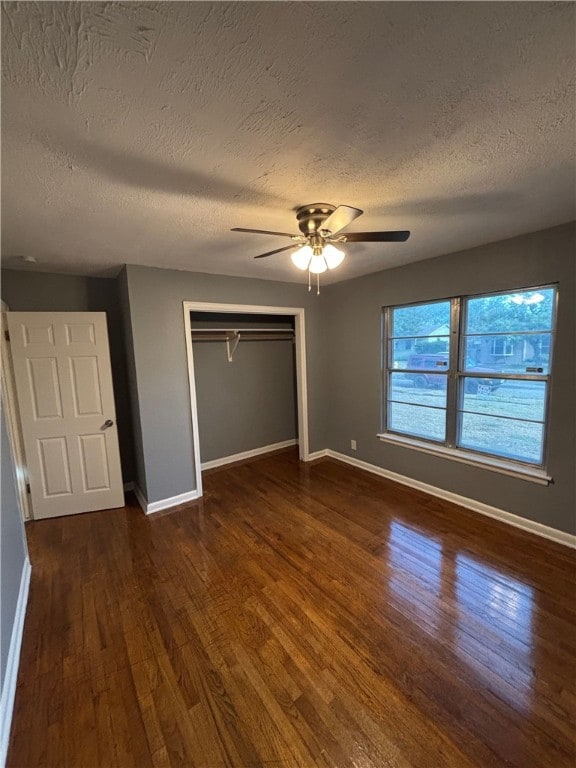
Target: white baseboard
column 531, row 526
column 174, row 501
column 248, row 454
column 318, row 455
column 9, row 687
column 140, row 498
column 157, row 506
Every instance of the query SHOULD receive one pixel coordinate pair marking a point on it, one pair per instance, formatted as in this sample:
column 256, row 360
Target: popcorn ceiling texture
column 141, row 132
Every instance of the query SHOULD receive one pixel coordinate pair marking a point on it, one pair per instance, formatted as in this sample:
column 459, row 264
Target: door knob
column 108, row 423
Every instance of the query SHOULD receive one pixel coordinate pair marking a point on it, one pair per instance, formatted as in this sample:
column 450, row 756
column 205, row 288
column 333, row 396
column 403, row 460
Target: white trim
column 494, row 464
column 318, row 454
column 193, row 401
column 248, row 454
column 531, row 526
column 140, row 498
column 301, row 378
column 11, row 675
column 301, row 383
column 11, row 407
column 172, row 501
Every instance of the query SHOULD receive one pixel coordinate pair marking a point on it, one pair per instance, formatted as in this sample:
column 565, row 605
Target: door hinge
column 27, row 487
column 7, row 335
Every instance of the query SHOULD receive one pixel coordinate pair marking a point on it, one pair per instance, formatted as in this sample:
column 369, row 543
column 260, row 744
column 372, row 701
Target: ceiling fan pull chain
column 309, row 284
column 317, row 283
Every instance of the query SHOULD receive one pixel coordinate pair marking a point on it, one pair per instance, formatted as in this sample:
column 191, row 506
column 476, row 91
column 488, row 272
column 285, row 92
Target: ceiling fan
column 321, row 225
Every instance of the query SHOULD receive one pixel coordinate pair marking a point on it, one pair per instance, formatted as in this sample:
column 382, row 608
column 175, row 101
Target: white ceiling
column 141, row 132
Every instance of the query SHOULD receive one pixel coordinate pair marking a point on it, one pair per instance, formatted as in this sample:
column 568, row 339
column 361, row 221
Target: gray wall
column 353, row 319
column 250, row 402
column 13, row 548
column 155, row 299
column 139, row 474
column 26, row 291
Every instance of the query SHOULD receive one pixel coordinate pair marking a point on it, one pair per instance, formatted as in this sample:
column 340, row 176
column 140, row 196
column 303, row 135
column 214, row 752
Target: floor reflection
column 498, row 609
column 484, row 615
column 415, row 580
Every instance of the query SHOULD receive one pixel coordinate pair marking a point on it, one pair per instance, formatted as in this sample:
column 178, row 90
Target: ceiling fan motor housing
column 311, row 217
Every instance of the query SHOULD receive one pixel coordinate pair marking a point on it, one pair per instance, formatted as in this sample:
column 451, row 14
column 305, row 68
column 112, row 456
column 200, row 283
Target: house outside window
column 502, row 347
column 472, row 373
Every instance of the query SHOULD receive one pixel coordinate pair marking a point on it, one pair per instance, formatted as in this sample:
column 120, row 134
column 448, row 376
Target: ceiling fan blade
column 262, row 232
column 278, row 250
column 340, row 218
column 399, row 236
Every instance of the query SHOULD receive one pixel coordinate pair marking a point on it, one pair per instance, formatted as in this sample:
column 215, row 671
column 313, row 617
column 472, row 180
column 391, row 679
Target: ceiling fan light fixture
column 333, row 256
column 321, row 225
column 317, row 264
column 301, row 257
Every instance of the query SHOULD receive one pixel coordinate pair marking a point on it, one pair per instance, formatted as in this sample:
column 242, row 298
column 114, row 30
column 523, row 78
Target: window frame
column 456, row 376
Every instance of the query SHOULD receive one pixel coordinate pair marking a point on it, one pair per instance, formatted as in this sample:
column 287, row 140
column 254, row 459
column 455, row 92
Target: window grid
column 457, row 376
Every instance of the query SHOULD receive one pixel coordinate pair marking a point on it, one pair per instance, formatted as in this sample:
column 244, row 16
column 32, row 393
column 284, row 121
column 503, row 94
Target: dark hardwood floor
column 299, row 615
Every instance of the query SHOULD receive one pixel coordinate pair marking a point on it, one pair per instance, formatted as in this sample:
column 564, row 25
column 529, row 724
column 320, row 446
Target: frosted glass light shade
column 333, row 256
column 317, row 265
column 301, row 257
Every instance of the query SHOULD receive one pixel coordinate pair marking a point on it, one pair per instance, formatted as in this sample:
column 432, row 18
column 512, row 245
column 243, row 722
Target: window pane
column 509, row 353
column 509, row 312
column 481, row 385
column 520, row 440
column 418, row 421
column 406, row 388
column 516, row 399
column 420, row 353
column 422, row 320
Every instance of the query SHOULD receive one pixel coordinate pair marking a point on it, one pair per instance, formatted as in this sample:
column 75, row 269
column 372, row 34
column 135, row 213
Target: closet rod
column 236, row 336
column 242, row 330
column 261, row 334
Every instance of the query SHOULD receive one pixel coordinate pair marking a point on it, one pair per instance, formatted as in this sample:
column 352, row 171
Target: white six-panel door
column 64, row 387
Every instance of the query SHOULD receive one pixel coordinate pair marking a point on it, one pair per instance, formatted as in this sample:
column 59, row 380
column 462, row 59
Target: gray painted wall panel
column 27, row 291
column 13, row 549
column 133, row 406
column 156, row 298
column 353, row 367
column 248, row 403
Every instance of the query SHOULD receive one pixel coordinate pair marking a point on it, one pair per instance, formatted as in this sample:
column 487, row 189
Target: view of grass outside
column 510, row 436
column 507, row 335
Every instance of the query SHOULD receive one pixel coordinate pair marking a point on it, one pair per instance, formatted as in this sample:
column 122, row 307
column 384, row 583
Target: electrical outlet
column 353, row 444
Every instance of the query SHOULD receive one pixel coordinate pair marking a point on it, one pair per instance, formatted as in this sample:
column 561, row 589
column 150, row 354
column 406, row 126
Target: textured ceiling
column 141, row 132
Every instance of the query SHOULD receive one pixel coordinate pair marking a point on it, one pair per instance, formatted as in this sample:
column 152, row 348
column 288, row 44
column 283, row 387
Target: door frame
column 10, row 404
column 301, row 380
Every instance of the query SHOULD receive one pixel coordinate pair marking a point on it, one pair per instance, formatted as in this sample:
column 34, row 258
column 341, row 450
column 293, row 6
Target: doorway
column 297, row 318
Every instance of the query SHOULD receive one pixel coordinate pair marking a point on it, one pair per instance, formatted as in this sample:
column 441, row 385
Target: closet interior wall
column 247, row 403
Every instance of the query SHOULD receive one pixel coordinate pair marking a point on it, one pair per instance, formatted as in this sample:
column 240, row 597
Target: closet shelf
column 246, row 334
column 235, row 335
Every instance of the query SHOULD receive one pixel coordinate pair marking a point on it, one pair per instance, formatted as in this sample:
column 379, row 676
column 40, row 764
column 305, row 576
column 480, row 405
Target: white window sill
column 493, row 464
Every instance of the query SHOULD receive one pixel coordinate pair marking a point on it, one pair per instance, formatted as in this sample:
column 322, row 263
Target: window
column 472, row 374
column 502, row 347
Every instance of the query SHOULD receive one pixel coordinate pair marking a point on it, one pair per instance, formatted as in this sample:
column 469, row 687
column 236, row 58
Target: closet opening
column 247, row 382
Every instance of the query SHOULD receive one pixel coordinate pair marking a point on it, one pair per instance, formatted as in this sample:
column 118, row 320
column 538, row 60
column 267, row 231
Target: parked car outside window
column 421, row 369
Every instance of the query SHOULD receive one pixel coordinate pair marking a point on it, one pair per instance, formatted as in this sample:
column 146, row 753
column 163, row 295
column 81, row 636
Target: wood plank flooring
column 298, row 615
